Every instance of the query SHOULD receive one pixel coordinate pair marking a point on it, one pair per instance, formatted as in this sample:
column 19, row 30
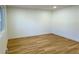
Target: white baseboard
column 28, row 35
column 67, row 36
column 59, row 34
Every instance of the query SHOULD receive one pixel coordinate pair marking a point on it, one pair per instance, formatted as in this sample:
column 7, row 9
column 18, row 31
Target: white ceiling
column 44, row 7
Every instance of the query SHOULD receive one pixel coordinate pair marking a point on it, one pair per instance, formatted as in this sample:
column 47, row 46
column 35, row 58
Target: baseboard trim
column 65, row 37
column 46, row 34
column 30, row 36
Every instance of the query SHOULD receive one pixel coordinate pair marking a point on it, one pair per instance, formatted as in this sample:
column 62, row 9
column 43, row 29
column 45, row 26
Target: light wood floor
column 43, row 44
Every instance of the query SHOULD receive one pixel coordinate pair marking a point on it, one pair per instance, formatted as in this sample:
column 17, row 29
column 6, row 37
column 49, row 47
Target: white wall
column 27, row 22
column 65, row 22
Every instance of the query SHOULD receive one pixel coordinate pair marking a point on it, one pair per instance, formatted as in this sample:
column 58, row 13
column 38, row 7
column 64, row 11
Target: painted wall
column 27, row 22
column 65, row 22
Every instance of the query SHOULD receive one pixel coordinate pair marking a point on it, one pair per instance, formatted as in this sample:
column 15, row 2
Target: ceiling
column 43, row 7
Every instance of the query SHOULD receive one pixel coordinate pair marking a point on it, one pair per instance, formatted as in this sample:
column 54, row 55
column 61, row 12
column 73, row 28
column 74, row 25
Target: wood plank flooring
column 43, row 44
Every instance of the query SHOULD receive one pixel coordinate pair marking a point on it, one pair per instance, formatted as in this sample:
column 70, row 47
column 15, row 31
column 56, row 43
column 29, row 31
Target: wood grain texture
column 43, row 44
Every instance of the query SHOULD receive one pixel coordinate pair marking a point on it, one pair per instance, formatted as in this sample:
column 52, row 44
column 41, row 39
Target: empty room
column 39, row 29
